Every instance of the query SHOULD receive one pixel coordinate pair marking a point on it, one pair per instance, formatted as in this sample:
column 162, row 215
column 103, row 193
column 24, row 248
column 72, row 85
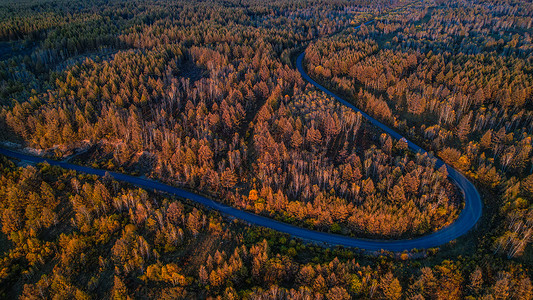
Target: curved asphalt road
column 465, row 222
column 467, row 219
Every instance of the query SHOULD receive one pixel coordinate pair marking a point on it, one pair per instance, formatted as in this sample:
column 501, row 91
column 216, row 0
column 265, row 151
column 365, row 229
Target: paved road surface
column 466, row 220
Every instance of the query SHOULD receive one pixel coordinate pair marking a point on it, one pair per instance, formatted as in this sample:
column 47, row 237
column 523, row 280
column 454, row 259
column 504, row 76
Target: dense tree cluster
column 204, row 95
column 88, row 225
column 456, row 78
column 214, row 108
column 101, row 239
column 313, row 156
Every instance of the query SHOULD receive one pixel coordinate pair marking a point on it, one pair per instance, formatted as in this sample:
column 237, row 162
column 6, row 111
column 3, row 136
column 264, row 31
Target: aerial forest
column 205, row 96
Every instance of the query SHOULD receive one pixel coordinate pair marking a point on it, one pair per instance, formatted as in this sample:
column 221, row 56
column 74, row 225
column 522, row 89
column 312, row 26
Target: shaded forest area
column 204, row 96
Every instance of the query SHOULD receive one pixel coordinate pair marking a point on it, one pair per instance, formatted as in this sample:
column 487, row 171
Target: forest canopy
column 204, row 95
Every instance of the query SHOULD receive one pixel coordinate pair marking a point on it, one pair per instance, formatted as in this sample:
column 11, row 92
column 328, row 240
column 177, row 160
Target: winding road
column 466, row 220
